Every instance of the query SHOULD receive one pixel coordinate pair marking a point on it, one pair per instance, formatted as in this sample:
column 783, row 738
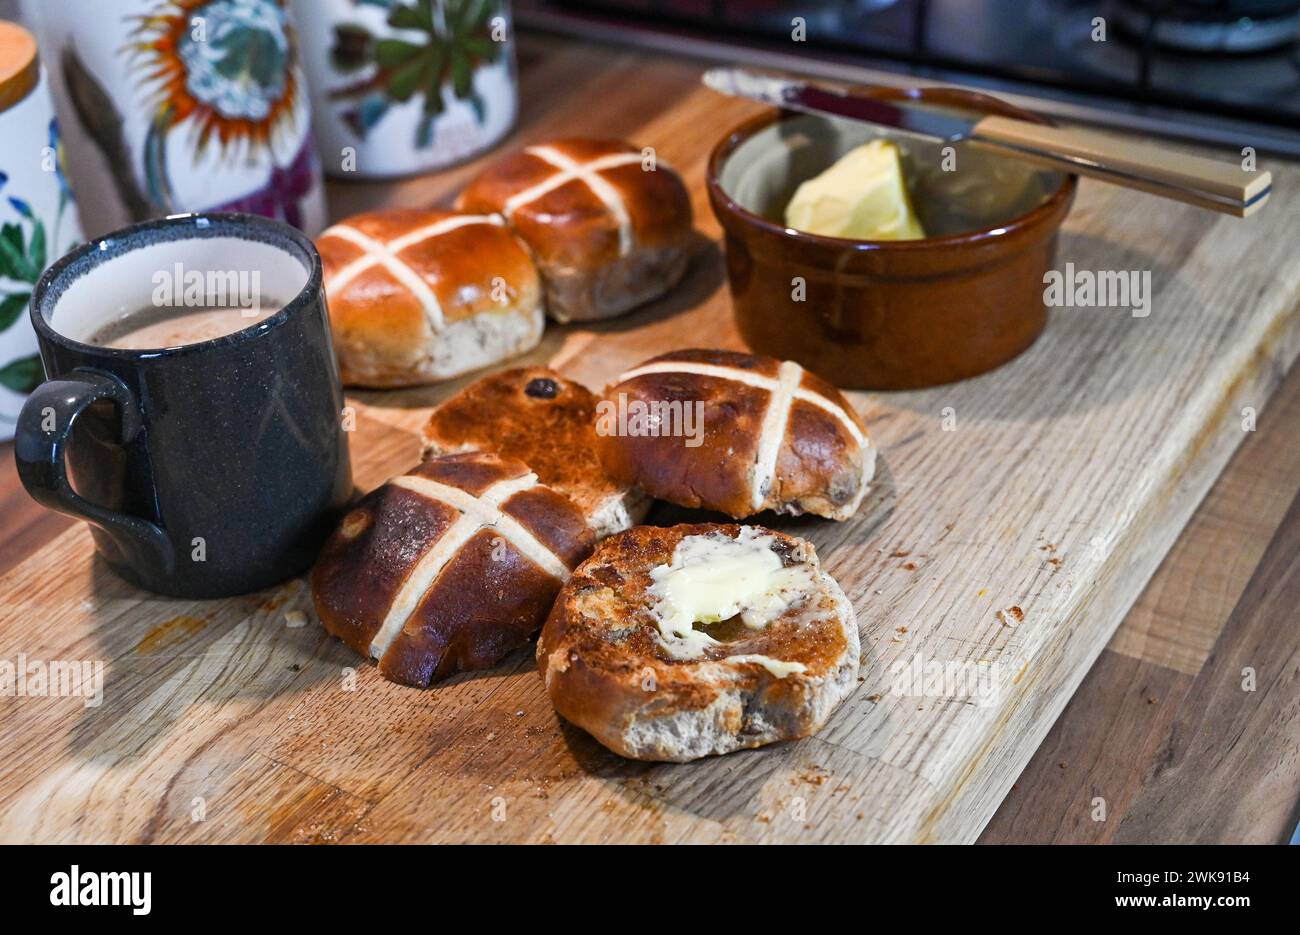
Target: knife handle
column 1207, row 183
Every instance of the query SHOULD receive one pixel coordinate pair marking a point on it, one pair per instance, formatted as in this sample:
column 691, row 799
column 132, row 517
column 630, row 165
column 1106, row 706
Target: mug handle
column 42, row 470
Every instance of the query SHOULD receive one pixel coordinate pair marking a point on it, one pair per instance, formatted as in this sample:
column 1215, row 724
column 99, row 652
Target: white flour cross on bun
column 784, row 390
column 608, row 223
column 448, row 567
column 475, row 513
column 416, row 296
column 589, row 174
column 385, row 253
column 775, row 437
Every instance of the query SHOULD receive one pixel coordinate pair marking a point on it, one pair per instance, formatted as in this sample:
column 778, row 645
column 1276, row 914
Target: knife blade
column 825, row 100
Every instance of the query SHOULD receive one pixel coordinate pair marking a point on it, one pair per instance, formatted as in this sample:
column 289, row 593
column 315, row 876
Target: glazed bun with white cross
column 448, row 567
column 608, row 225
column 416, row 297
column 538, row 417
column 773, row 436
column 695, row 640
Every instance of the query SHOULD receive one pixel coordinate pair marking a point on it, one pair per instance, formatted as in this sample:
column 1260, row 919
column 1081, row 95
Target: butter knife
column 1208, row 183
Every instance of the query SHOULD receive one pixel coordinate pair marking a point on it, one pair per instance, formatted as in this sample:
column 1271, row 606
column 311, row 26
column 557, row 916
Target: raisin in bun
column 773, row 436
column 608, row 232
column 448, row 567
column 421, row 296
column 625, row 655
column 538, row 417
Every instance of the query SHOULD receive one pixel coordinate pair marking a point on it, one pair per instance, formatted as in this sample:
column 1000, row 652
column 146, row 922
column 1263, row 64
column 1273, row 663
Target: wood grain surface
column 1065, row 479
column 1140, row 717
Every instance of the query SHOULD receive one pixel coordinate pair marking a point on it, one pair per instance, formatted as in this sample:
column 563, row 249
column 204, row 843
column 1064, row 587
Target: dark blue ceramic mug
column 205, row 469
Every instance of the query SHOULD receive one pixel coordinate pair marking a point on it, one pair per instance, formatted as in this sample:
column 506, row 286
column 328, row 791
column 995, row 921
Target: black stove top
column 1226, row 71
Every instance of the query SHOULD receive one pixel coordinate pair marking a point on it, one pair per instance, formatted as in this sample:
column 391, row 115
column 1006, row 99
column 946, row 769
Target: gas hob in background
column 1219, row 71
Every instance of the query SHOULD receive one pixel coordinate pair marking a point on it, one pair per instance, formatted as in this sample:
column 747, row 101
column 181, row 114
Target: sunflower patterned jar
column 404, row 86
column 38, row 219
column 182, row 105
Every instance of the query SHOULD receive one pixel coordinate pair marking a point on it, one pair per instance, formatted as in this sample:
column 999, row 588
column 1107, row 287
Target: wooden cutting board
column 1014, row 520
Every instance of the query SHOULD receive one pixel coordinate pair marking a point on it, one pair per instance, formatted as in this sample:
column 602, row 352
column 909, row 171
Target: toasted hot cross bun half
column 538, row 417
column 607, row 232
column 626, row 655
column 448, row 567
column 769, row 436
column 420, row 296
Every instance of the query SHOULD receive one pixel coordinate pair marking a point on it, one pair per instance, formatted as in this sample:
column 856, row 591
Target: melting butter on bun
column 679, row 643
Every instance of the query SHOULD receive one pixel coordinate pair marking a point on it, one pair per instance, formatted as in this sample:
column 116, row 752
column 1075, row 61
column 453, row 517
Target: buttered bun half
column 695, row 640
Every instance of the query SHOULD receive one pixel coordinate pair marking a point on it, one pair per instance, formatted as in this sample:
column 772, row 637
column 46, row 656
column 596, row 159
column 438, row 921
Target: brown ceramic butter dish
column 895, row 314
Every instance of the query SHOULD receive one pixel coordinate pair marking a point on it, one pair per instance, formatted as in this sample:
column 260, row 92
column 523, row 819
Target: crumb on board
column 1011, row 617
column 295, row 619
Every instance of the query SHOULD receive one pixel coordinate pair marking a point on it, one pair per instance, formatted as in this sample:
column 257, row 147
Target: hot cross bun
column 547, row 422
column 448, row 567
column 678, row 643
column 770, row 436
column 608, row 225
column 420, row 296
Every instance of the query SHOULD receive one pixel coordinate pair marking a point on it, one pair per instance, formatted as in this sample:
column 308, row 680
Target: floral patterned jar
column 403, row 86
column 181, row 105
column 38, row 222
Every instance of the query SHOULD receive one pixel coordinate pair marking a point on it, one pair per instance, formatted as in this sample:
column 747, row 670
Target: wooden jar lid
column 19, row 70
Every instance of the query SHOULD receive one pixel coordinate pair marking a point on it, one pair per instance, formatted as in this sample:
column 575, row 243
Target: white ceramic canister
column 404, row 86
column 38, row 219
column 170, row 106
